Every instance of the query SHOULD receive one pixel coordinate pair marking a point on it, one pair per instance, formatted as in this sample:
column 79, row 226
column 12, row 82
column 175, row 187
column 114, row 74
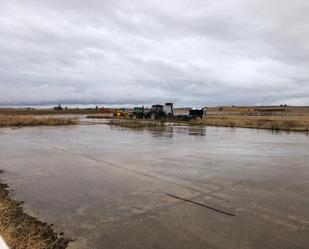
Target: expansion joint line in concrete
column 115, row 166
column 200, row 193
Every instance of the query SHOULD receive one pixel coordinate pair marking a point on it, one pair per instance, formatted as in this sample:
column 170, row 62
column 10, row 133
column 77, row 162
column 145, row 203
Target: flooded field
column 107, row 186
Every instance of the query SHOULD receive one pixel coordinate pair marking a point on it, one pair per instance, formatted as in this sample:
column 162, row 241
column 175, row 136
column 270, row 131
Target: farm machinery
column 121, row 113
column 138, row 112
column 161, row 111
column 155, row 112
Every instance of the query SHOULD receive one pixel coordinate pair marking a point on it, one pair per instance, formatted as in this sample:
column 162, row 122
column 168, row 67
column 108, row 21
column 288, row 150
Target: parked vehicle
column 195, row 113
column 168, row 108
column 121, row 113
column 198, row 113
column 138, row 112
column 161, row 111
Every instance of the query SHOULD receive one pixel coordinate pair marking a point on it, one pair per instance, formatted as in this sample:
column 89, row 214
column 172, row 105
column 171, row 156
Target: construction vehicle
column 161, row 111
column 197, row 113
column 121, row 113
column 168, row 108
column 194, row 113
column 138, row 112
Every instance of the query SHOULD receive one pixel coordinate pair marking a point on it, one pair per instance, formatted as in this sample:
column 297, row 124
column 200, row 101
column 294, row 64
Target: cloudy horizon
column 190, row 52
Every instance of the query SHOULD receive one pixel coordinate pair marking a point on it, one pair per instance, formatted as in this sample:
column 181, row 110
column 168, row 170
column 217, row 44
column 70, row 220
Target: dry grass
column 28, row 120
column 24, row 111
column 296, row 123
column 259, row 122
column 21, row 231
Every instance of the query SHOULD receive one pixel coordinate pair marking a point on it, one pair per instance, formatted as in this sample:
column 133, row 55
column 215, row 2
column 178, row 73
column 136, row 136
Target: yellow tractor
column 121, row 113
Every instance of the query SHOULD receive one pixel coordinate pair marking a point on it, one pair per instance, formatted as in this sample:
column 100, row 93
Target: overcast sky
column 191, row 52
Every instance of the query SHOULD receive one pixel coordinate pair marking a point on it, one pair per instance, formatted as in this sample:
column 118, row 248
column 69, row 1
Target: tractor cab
column 138, row 112
column 161, row 111
column 168, row 108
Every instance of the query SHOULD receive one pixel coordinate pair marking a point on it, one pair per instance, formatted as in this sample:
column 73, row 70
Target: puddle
column 106, row 186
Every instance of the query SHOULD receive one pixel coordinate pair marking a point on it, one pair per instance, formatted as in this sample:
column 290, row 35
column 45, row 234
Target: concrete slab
column 106, row 186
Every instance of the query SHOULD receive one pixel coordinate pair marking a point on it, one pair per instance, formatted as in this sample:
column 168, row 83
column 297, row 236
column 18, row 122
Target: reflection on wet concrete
column 168, row 131
column 106, row 186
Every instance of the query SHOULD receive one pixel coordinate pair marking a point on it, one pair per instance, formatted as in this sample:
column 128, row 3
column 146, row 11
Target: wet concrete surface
column 106, row 186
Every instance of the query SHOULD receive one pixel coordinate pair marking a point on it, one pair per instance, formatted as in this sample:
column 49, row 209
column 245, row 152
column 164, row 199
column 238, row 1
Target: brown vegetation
column 32, row 111
column 285, row 110
column 28, row 120
column 22, row 231
column 300, row 123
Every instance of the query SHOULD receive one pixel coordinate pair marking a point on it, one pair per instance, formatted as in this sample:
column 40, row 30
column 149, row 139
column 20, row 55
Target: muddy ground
column 20, row 230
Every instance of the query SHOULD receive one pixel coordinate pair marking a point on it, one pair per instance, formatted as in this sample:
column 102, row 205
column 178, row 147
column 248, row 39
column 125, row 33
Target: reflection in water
column 170, row 131
column 164, row 132
column 167, row 131
column 197, row 131
column 101, row 179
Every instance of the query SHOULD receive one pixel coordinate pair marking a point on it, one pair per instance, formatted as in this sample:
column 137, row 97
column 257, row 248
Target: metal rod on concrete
column 200, row 204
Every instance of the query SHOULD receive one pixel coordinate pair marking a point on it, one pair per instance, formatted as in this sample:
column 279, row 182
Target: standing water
column 107, row 186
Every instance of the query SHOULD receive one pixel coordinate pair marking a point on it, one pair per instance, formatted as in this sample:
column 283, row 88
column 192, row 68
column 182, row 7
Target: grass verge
column 297, row 123
column 29, row 120
column 21, row 231
column 259, row 122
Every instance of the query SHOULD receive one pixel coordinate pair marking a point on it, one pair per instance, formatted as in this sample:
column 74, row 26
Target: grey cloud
column 140, row 52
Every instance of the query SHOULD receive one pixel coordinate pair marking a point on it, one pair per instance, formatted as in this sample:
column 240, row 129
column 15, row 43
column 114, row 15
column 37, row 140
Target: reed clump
column 284, row 123
column 29, row 120
column 298, row 123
